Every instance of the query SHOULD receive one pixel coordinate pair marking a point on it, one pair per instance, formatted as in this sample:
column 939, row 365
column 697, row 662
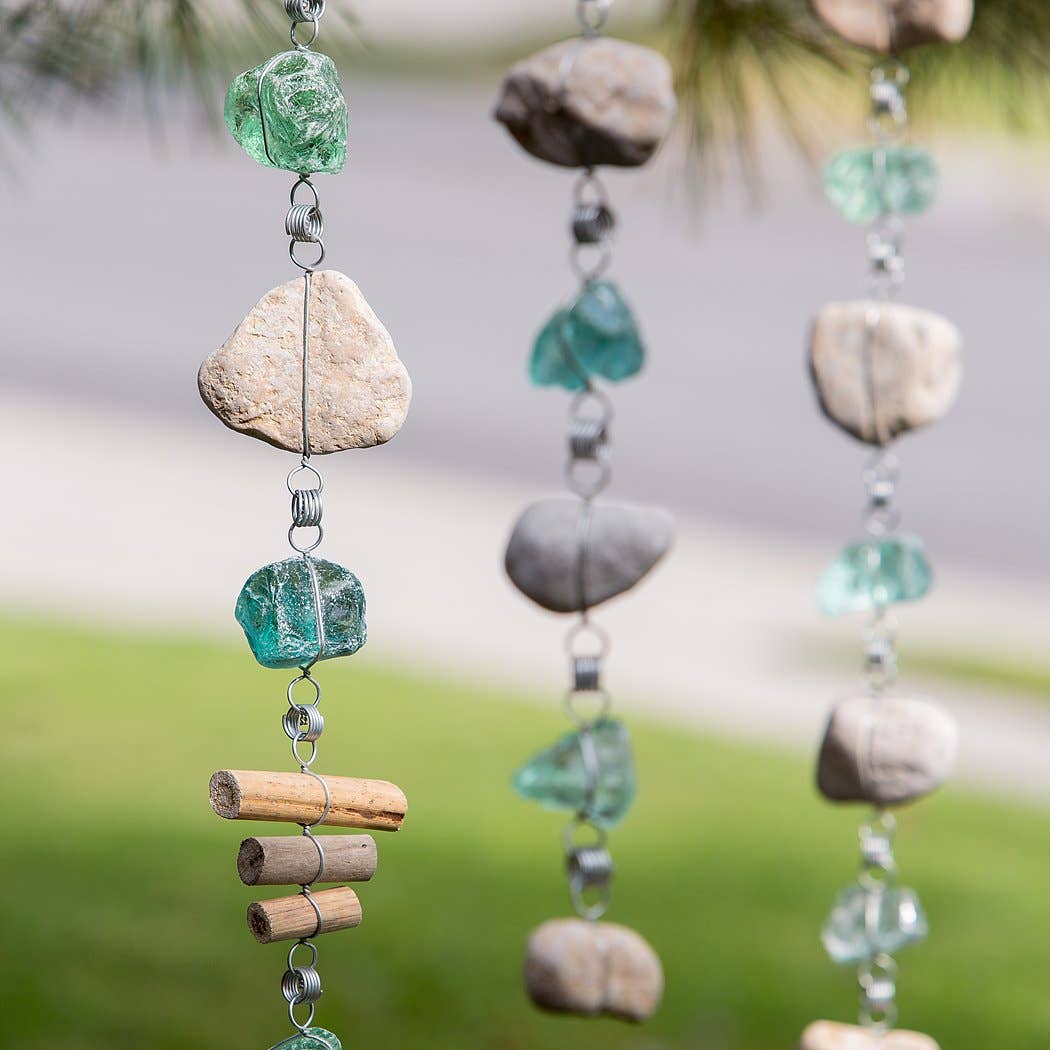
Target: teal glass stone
column 862, row 924
column 276, row 609
column 875, row 573
column 868, row 182
column 311, row 1039
column 595, row 336
column 305, row 113
column 557, row 777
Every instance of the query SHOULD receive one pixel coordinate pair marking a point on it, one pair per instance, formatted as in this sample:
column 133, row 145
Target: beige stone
column 898, row 24
column 881, row 369
column 586, row 102
column 593, row 968
column 886, row 750
column 828, row 1035
column 359, row 389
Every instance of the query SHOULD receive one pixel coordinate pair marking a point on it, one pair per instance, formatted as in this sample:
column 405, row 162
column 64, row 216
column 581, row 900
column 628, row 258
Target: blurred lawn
column 123, row 918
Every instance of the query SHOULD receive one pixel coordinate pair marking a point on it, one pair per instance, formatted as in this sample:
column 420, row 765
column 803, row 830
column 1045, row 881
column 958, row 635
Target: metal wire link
column 587, row 438
column 303, row 723
column 301, row 985
column 878, row 991
column 307, row 508
column 592, row 15
column 304, row 223
column 590, row 869
column 592, row 222
column 888, row 119
column 586, row 674
column 304, row 10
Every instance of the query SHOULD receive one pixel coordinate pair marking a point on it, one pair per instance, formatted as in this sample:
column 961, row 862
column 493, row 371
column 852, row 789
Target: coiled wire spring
column 592, row 222
column 587, row 437
column 304, row 10
column 307, row 508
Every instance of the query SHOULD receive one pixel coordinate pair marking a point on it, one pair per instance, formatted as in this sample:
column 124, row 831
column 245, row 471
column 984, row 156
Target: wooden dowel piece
column 293, row 860
column 289, row 918
column 374, row 805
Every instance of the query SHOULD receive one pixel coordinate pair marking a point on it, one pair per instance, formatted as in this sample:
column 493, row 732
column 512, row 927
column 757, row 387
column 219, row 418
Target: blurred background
column 138, row 235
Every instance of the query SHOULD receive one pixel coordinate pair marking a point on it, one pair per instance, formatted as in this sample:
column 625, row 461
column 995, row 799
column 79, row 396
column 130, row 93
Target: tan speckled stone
column 828, row 1035
column 865, row 22
column 586, row 102
column 359, row 389
column 886, row 750
column 913, row 363
column 593, row 968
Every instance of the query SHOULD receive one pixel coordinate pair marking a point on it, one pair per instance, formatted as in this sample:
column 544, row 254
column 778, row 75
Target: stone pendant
column 873, row 574
column 882, row 369
column 301, row 124
column 311, row 1039
column 595, row 337
column 594, row 969
column 829, row 1035
column 886, row 751
column 586, row 102
column 880, row 180
column 623, row 544
column 589, row 771
column 895, row 25
column 359, row 389
column 277, row 611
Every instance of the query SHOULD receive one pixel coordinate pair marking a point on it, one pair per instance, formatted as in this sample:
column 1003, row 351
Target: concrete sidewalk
column 153, row 521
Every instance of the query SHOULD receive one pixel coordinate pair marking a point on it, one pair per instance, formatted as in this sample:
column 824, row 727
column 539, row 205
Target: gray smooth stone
column 886, row 751
column 624, row 542
column 912, row 361
column 829, row 1035
column 593, row 968
column 911, row 22
column 586, row 102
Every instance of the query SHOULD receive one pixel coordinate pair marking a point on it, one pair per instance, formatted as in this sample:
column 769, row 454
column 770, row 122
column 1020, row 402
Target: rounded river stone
column 590, row 101
column 359, row 389
column 829, row 1035
column 898, row 24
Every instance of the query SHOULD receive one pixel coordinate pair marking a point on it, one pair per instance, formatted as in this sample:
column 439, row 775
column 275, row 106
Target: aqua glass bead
column 875, row 573
column 311, row 1039
column 277, row 611
column 864, row 923
column 305, row 113
column 868, row 182
column 558, row 776
column 595, row 336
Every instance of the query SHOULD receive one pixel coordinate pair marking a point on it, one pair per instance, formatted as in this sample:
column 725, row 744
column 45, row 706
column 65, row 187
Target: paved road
column 127, row 260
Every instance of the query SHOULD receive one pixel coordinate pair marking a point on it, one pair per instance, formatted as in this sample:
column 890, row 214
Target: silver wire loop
column 593, row 220
column 302, row 1026
column 304, row 45
column 307, row 267
column 304, row 10
column 296, row 546
column 301, row 985
column 291, row 690
column 303, row 723
column 586, row 674
column 307, row 508
column 589, row 261
column 308, row 468
column 592, row 15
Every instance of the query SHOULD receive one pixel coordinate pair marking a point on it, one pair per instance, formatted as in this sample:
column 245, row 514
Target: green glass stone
column 306, row 122
column 557, row 777
column 875, row 573
column 276, row 608
column 311, row 1039
column 595, row 336
column 868, row 182
column 862, row 924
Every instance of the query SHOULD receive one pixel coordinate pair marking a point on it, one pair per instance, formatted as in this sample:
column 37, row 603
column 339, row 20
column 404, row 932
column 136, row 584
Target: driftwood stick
column 238, row 794
column 289, row 918
column 293, row 860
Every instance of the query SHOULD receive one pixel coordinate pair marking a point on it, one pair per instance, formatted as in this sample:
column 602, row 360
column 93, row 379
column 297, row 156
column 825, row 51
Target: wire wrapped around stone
column 304, row 10
column 307, row 508
column 301, row 984
column 592, row 222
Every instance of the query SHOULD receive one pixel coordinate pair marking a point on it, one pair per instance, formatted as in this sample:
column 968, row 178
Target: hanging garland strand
column 581, row 103
column 284, row 376
column 881, row 369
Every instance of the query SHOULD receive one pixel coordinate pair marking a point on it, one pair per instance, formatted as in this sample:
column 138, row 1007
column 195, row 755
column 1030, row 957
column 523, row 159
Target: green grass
column 123, row 919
